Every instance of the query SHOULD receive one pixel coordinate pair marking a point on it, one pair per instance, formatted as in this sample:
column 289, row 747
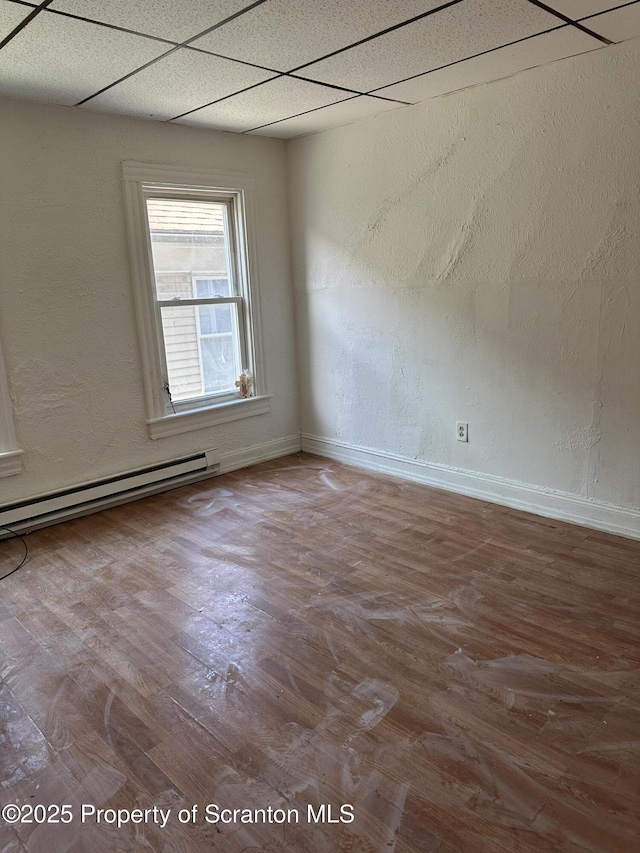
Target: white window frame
column 143, row 180
column 10, row 453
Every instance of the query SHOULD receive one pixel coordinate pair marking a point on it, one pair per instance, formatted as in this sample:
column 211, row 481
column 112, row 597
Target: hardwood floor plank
column 303, row 634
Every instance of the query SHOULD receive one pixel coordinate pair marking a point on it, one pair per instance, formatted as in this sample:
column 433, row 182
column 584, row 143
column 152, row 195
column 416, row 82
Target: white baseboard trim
column 562, row 506
column 260, row 453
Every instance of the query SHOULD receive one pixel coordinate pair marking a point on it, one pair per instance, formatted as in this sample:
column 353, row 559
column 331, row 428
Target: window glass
column 202, row 349
column 190, row 247
column 208, row 287
column 188, row 237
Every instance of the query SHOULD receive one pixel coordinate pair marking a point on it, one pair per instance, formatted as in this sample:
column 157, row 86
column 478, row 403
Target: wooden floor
column 467, row 677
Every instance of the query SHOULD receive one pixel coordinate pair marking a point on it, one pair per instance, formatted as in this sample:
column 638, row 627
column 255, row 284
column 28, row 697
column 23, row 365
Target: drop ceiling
column 285, row 68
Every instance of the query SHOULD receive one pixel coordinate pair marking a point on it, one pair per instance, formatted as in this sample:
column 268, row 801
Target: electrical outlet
column 462, row 431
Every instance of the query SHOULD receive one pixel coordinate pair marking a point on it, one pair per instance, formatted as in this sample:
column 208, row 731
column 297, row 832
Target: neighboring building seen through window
column 201, row 309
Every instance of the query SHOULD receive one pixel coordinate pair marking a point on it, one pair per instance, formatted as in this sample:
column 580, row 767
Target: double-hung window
column 196, row 295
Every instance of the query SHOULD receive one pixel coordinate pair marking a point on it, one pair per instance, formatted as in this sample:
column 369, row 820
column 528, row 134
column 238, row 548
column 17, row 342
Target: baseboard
column 562, row 506
column 227, row 462
column 259, row 453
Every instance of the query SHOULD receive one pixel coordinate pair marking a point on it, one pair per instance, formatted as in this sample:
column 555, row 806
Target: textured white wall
column 476, row 258
column 67, row 318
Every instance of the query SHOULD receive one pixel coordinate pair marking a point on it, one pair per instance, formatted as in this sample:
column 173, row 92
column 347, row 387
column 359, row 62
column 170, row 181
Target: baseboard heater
column 32, row 513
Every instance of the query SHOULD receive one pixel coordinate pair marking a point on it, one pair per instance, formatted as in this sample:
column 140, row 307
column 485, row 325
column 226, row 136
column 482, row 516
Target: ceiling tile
column 74, row 59
column 500, row 63
column 344, row 112
column 182, row 81
column 10, row 16
column 272, row 101
column 451, row 34
column 282, row 34
column 619, row 25
column 576, row 9
column 167, row 19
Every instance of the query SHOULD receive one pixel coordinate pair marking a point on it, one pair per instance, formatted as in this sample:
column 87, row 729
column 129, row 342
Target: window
column 10, row 455
column 201, row 315
column 196, row 295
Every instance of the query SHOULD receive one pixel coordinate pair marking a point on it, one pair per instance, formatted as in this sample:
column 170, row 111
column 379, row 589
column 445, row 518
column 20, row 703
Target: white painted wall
column 67, row 319
column 476, row 258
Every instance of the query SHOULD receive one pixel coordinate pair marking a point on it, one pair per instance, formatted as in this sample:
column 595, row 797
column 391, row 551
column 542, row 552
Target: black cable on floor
column 26, row 551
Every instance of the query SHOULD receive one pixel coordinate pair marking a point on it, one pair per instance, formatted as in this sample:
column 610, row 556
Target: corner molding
column 562, row 506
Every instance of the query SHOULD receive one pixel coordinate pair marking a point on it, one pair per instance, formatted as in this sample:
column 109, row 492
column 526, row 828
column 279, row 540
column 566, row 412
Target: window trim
column 140, row 181
column 10, row 453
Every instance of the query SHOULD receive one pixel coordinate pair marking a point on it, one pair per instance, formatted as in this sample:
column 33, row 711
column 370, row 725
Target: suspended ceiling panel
column 497, row 64
column 264, row 104
column 176, row 20
column 281, row 34
column 619, row 25
column 449, row 36
column 10, row 17
column 63, row 60
column 285, row 67
column 577, row 9
column 181, row 81
column 334, row 115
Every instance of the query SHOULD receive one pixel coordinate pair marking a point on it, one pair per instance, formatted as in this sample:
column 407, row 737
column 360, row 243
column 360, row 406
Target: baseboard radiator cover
column 50, row 508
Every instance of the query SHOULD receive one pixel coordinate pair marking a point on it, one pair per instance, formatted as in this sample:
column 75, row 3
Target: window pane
column 205, row 288
column 188, row 238
column 214, row 319
column 202, row 349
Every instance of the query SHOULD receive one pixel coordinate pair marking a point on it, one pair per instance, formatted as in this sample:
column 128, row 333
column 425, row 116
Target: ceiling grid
column 281, row 68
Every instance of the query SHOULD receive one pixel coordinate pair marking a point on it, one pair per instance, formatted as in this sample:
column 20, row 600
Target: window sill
column 220, row 413
column 10, row 463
